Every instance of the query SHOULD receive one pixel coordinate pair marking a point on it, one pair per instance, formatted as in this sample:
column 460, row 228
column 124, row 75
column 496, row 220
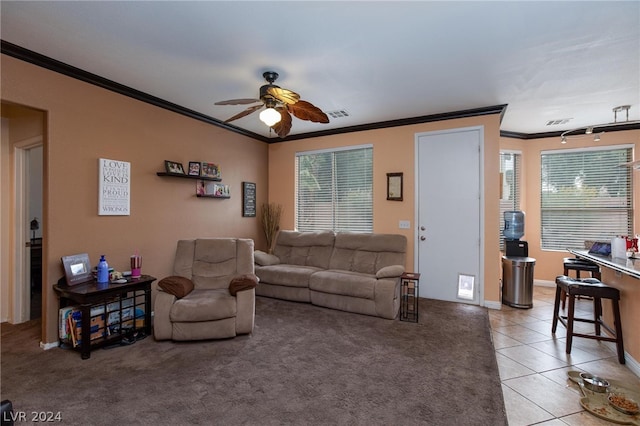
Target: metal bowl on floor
column 594, row 383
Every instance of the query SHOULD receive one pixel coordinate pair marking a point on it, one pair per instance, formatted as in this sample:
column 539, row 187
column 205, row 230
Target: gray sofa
column 347, row 271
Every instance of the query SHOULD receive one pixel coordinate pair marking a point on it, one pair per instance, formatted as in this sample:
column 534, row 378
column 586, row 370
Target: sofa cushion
column 345, row 283
column 242, row 282
column 305, row 248
column 390, row 271
column 367, row 253
column 203, row 305
column 178, row 286
column 265, row 259
column 286, row 275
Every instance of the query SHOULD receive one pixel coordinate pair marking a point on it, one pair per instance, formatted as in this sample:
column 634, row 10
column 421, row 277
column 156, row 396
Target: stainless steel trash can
column 517, row 281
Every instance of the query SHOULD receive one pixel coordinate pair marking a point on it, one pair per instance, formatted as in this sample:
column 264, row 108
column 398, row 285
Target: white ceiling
column 379, row 61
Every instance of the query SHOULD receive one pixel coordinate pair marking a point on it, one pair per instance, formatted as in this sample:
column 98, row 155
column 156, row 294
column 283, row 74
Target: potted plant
column 270, row 219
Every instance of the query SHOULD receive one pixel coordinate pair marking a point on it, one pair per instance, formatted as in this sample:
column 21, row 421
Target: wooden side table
column 409, row 285
column 92, row 294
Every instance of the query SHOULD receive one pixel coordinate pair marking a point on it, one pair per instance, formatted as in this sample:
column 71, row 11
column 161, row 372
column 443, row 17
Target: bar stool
column 579, row 265
column 597, row 290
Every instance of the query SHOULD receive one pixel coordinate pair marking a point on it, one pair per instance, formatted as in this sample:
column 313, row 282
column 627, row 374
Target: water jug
column 513, row 224
column 103, row 271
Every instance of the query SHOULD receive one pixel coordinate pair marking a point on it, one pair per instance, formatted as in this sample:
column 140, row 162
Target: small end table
column 409, row 285
column 91, row 294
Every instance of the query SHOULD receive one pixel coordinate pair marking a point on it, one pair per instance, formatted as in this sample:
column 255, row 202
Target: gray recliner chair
column 200, row 300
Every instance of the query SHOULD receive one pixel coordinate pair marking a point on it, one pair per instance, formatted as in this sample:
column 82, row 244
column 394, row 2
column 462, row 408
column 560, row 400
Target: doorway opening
column 22, row 216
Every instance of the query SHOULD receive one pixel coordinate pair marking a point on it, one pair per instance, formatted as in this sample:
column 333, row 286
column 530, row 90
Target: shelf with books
column 212, row 190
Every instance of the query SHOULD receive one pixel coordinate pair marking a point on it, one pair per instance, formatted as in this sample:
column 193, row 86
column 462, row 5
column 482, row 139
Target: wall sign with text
column 114, row 187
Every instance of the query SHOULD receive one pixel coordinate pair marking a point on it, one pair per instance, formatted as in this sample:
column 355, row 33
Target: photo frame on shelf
column 77, row 269
column 194, row 168
column 248, row 199
column 394, row 186
column 210, row 170
column 173, row 167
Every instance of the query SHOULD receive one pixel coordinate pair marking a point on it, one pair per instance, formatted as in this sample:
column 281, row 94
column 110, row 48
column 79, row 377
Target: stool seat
column 580, row 265
column 591, row 287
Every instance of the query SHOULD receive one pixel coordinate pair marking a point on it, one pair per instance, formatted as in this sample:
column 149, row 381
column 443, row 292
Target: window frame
column 549, row 244
column 334, row 217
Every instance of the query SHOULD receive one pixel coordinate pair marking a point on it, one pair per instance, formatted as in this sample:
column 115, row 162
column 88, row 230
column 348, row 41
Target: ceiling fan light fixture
column 270, row 116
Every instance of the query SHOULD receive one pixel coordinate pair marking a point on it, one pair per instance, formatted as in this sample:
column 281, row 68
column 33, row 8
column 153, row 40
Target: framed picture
column 77, row 269
column 194, row 168
column 248, row 199
column 210, row 170
column 173, row 167
column 394, row 186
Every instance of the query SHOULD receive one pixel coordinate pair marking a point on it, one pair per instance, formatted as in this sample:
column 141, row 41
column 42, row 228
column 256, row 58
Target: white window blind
column 334, row 190
column 585, row 196
column 510, row 174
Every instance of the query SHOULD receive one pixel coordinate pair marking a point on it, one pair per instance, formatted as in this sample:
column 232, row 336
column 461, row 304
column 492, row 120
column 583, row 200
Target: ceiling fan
column 280, row 104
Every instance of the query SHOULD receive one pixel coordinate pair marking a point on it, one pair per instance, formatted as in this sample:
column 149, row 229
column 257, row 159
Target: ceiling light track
column 592, row 131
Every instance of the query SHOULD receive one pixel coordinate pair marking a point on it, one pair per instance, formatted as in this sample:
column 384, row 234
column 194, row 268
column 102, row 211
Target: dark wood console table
column 90, row 295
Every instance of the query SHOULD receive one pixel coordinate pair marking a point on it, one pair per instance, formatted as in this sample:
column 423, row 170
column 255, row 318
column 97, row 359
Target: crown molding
column 43, row 61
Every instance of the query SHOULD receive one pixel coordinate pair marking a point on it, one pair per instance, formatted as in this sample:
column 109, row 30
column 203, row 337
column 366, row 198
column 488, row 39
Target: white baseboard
column 492, row 304
column 47, row 346
column 544, row 283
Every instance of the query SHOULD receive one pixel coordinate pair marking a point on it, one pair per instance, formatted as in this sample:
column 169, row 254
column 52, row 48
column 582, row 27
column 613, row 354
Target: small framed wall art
column 248, row 199
column 210, row 170
column 394, row 186
column 173, row 167
column 194, row 168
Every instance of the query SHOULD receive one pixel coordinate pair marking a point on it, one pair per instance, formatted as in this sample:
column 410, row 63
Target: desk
column 92, row 294
column 623, row 274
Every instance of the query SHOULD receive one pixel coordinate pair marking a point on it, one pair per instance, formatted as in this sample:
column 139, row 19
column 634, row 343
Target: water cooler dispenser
column 517, row 266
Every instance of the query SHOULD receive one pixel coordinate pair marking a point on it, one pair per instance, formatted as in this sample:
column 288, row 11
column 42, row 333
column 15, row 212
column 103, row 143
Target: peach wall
column 394, row 151
column 85, row 123
column 549, row 263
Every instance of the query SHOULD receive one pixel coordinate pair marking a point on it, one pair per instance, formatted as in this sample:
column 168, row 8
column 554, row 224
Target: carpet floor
column 302, row 365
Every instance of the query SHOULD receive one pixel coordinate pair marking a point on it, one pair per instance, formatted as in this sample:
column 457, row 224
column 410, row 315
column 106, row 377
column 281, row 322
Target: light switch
column 404, row 224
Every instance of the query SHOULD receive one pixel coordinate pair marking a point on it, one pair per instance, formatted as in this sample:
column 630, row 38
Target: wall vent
column 557, row 122
column 338, row 113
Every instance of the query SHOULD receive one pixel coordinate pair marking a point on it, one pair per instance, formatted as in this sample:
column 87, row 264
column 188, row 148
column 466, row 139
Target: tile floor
column 533, row 364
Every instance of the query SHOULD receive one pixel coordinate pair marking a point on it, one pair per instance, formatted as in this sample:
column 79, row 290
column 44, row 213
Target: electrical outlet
column 404, row 224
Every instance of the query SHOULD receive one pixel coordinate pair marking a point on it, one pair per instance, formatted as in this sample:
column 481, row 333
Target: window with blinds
column 334, row 190
column 510, row 176
column 585, row 196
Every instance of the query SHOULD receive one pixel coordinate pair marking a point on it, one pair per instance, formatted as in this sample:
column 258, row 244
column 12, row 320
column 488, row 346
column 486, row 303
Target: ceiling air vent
column 557, row 122
column 338, row 113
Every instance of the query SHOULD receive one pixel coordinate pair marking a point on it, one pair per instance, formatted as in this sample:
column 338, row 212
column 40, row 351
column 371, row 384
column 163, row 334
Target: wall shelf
column 178, row 175
column 211, row 196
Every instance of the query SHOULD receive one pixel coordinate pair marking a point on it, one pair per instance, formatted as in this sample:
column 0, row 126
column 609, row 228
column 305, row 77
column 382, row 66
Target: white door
column 449, row 242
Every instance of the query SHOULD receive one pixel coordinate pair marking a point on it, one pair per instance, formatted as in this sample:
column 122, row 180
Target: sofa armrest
column 265, row 259
column 392, row 271
column 245, row 311
column 162, row 328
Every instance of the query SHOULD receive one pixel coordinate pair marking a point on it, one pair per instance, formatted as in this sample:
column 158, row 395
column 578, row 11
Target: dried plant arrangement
column 270, row 219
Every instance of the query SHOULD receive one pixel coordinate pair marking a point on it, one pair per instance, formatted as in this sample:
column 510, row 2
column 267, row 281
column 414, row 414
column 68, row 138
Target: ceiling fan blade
column 245, row 112
column 283, row 95
column 282, row 127
column 306, row 111
column 238, row 102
